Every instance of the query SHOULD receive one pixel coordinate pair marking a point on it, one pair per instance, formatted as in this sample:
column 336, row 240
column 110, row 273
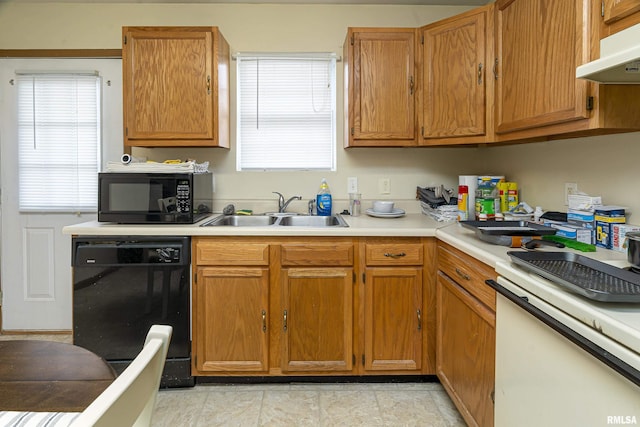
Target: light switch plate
column 569, row 188
column 384, row 186
column 352, row 184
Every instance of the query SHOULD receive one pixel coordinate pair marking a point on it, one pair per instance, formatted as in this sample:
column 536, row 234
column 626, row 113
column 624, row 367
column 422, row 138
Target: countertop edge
column 411, row 225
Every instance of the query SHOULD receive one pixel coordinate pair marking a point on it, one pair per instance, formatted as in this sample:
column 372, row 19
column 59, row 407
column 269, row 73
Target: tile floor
column 325, row 404
column 300, row 404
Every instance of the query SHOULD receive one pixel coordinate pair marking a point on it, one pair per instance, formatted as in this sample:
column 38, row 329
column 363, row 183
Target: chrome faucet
column 282, row 205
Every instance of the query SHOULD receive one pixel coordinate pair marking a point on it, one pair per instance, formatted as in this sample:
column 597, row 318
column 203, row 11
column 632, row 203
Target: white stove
column 618, row 321
column 576, row 360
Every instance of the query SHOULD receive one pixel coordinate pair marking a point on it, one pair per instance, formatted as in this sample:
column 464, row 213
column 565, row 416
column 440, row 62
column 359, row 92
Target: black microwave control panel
column 183, row 197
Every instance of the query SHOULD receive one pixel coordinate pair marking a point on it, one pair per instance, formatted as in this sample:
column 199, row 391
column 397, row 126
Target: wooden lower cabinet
column 393, row 319
column 313, row 306
column 465, row 335
column 393, row 305
column 230, row 321
column 317, row 320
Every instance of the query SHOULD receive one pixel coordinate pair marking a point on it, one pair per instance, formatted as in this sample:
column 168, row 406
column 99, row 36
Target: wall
column 600, row 165
column 604, row 166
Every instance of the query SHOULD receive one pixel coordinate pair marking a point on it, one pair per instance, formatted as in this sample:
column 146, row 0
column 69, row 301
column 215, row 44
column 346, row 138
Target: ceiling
column 392, row 2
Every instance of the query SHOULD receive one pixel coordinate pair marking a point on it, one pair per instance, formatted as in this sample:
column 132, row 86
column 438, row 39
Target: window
column 286, row 112
column 58, row 141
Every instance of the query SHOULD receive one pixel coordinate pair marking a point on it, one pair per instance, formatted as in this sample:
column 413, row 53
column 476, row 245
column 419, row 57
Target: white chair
column 130, row 399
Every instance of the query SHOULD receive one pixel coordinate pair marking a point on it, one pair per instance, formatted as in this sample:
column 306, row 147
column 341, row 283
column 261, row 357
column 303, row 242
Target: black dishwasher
column 123, row 285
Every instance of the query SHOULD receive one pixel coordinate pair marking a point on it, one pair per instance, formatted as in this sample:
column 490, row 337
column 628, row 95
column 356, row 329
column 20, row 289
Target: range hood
column 619, row 61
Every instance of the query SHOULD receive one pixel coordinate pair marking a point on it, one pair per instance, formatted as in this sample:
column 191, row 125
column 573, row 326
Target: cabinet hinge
column 422, row 130
column 354, row 276
column 125, row 40
column 126, row 131
column 363, row 360
column 353, row 359
column 590, row 103
column 352, row 40
column 364, row 277
column 422, row 39
column 602, row 8
column 352, row 131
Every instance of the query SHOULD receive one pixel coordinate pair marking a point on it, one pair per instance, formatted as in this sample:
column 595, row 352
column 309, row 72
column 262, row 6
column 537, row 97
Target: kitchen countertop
column 465, row 240
column 412, row 224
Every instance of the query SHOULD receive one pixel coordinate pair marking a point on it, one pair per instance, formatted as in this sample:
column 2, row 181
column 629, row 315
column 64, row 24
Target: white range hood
column 619, row 61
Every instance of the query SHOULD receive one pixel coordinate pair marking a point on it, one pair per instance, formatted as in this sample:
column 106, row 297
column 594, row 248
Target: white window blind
column 286, row 112
column 59, row 141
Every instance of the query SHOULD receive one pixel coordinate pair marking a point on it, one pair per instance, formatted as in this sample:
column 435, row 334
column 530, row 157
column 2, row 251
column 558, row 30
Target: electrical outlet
column 569, row 188
column 384, row 186
column 352, row 184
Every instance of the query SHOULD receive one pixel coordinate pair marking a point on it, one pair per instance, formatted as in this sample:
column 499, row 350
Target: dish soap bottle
column 323, row 199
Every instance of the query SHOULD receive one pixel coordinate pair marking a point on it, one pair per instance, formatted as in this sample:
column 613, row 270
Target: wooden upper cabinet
column 618, row 15
column 380, row 87
column 457, row 58
column 539, row 45
column 175, row 86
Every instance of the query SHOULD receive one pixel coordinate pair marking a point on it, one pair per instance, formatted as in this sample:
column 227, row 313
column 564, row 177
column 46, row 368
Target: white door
column 35, row 255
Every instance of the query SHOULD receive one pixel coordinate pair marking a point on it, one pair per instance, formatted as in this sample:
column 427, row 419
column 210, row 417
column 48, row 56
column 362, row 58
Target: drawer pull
column 390, row 255
column 419, row 313
column 264, row 321
column 285, row 321
column 462, row 274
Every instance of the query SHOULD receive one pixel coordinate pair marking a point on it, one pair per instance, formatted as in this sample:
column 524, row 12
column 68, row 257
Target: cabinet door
column 619, row 14
column 539, row 45
column 317, row 319
column 454, row 78
column 465, row 351
column 231, row 320
column 168, row 81
column 382, row 110
column 393, row 319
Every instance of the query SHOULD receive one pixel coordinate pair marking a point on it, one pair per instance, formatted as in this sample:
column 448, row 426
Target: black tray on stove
column 582, row 275
column 508, row 228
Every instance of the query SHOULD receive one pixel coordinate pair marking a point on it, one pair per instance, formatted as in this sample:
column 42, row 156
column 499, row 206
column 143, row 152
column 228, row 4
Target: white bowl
column 383, row 206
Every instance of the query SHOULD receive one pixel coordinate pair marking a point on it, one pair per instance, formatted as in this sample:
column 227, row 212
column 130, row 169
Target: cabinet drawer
column 468, row 272
column 339, row 253
column 232, row 253
column 394, row 253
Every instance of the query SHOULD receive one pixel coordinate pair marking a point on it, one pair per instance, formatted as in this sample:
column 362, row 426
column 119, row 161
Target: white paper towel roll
column 470, row 181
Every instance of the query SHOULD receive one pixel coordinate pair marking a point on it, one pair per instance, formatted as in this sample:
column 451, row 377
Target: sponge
column 570, row 243
column 244, row 212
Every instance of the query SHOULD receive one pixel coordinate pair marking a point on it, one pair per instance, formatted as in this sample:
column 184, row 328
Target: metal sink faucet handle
column 282, row 205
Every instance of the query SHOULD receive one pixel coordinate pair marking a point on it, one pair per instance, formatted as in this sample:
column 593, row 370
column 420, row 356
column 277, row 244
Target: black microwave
column 154, row 198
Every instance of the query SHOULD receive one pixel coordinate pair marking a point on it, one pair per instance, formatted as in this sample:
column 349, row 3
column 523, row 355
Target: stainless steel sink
column 313, row 221
column 241, row 221
column 276, row 221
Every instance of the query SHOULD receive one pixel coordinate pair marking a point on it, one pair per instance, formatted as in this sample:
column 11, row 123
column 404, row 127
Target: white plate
column 396, row 213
